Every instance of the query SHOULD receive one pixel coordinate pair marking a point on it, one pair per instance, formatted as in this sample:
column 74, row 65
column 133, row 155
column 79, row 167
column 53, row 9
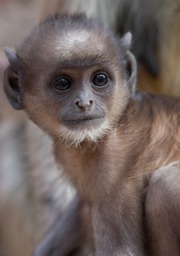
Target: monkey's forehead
column 78, row 44
column 69, row 46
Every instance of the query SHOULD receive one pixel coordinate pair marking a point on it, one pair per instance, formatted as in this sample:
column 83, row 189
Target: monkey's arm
column 118, row 226
column 66, row 236
column 163, row 210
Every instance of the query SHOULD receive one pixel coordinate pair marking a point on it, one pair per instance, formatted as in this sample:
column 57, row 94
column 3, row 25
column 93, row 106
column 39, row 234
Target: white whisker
column 76, row 137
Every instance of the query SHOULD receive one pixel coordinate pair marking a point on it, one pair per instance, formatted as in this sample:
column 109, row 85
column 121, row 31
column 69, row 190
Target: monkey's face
column 77, row 103
column 71, row 85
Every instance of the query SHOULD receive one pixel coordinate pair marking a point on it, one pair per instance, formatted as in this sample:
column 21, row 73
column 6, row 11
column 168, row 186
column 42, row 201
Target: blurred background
column 33, row 193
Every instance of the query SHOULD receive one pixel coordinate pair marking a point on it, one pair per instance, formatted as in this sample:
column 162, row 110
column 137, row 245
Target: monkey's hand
column 66, row 236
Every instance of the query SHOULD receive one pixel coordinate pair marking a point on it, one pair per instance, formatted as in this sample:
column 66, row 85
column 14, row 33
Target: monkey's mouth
column 84, row 122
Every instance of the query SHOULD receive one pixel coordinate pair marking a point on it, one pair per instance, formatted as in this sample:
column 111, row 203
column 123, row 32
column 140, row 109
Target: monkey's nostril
column 83, row 104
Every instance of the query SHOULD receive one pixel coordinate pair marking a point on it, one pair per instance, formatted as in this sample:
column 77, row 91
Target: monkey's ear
column 126, row 41
column 11, row 55
column 131, row 71
column 129, row 61
column 11, row 80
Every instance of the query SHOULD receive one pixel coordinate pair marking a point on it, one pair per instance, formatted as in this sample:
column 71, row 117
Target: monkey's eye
column 61, row 83
column 100, row 79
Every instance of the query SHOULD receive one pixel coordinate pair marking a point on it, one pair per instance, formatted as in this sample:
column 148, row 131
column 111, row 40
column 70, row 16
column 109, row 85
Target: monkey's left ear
column 11, row 80
column 129, row 61
column 126, row 41
column 131, row 71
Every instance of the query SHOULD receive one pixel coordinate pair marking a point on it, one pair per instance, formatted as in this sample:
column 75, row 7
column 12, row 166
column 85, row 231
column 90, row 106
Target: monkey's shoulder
column 155, row 103
column 146, row 111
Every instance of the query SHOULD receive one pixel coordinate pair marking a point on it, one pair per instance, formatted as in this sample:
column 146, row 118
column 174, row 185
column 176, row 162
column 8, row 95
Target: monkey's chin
column 74, row 137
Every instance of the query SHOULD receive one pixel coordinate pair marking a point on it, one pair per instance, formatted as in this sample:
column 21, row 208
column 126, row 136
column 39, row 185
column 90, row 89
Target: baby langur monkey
column 76, row 81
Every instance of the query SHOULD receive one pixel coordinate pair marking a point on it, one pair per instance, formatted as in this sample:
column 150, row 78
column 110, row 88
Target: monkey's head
column 72, row 77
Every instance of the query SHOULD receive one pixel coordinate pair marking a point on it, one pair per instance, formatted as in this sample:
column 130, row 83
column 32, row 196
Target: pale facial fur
column 76, row 137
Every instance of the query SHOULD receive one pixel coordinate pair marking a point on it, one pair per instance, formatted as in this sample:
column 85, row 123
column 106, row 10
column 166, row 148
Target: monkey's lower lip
column 86, row 121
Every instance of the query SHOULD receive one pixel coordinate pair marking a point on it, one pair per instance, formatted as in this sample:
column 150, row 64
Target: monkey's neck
column 144, row 139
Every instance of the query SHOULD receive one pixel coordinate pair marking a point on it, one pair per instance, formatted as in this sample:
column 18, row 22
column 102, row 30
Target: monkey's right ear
column 11, row 80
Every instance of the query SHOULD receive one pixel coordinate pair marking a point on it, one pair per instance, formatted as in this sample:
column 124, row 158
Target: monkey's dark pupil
column 62, row 83
column 100, row 80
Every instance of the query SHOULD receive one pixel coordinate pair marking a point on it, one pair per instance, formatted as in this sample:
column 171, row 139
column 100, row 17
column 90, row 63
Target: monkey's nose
column 84, row 105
